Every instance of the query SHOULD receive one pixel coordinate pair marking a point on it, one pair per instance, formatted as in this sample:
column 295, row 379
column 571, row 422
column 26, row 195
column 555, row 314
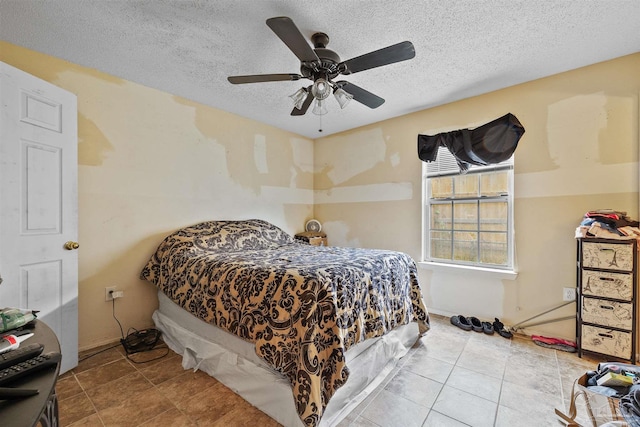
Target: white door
column 38, row 203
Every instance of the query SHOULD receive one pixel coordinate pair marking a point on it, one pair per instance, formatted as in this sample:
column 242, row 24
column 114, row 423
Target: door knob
column 71, row 245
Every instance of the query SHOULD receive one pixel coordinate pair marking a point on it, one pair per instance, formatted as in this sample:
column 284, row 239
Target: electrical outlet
column 107, row 295
column 568, row 294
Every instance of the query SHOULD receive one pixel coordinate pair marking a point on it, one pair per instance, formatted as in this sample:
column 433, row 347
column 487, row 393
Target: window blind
column 446, row 164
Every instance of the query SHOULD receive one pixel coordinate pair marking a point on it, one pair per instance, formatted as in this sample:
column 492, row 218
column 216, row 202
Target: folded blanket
column 630, row 407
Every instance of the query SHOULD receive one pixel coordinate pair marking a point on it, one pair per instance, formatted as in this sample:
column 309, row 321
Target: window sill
column 493, row 273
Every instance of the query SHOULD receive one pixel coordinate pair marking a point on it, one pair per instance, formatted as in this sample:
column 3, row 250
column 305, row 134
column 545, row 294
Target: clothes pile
column 630, row 407
column 608, row 224
column 619, row 380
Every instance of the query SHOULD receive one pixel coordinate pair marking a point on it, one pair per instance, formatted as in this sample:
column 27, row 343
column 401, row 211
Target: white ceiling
column 189, row 47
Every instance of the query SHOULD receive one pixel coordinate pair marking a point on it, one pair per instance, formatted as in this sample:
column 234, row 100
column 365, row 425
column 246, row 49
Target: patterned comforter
column 303, row 306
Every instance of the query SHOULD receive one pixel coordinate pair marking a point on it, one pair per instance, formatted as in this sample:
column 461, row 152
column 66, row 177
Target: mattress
column 233, row 361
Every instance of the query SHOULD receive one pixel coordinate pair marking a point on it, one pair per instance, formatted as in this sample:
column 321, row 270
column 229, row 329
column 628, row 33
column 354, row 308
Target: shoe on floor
column 461, row 322
column 498, row 326
column 487, row 328
column 476, row 324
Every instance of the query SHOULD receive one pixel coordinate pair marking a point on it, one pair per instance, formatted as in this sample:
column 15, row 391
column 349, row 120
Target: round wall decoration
column 313, row 225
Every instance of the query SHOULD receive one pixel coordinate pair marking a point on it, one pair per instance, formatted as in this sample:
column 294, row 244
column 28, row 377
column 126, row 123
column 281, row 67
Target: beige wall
column 149, row 163
column 579, row 152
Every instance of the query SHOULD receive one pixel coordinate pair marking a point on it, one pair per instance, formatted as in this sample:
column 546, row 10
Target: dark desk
column 43, row 406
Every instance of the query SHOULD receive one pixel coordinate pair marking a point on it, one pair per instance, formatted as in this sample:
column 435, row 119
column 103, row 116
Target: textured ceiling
column 189, row 47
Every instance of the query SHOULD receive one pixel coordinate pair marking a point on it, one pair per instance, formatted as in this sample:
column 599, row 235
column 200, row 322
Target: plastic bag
column 12, row 318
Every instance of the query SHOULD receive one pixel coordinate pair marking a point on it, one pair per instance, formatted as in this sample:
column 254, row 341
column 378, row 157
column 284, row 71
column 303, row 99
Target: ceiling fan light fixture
column 319, row 109
column 322, row 65
column 343, row 97
column 299, row 97
column 321, row 89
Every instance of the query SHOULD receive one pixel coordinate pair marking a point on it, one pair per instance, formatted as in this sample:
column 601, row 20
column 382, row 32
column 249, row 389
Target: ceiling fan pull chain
column 320, row 130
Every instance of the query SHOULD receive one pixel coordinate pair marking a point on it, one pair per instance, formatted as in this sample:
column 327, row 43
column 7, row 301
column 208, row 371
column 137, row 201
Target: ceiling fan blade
column 388, row 55
column 362, row 96
column 293, row 38
column 305, row 105
column 260, row 78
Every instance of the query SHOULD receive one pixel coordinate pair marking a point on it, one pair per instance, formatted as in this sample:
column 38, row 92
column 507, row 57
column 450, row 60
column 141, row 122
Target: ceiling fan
column 322, row 66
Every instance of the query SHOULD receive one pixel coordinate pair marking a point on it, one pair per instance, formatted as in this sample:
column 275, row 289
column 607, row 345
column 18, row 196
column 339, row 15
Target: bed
column 302, row 332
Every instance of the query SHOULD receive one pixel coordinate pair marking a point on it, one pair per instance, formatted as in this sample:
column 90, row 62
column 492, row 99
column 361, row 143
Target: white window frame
column 446, row 165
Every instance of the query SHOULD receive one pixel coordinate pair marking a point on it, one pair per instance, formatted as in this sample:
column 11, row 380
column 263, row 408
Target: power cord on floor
column 139, row 341
column 98, row 352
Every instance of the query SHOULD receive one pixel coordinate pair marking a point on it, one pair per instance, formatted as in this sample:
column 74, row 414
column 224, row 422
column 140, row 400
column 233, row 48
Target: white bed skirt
column 233, row 362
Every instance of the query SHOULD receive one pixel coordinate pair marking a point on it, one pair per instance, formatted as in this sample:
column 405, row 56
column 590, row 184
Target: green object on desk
column 12, row 318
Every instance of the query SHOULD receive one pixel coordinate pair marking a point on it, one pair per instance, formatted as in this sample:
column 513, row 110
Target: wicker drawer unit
column 607, row 341
column 616, row 285
column 607, row 313
column 608, row 255
column 607, row 297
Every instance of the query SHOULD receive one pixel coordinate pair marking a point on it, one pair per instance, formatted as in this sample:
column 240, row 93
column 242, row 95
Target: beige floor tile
column 90, row 421
column 183, row 387
column 466, row 408
column 390, row 410
column 543, row 377
column 475, row 383
column 529, row 400
column 525, row 357
column 67, row 387
column 173, row 417
column 508, row 417
column 436, row 419
column 119, row 391
column 100, row 356
column 429, row 367
column 484, row 362
column 414, row 387
column 103, row 374
column 162, row 371
column 246, row 416
column 493, row 343
column 75, row 409
column 136, row 410
column 211, row 404
column 362, row 422
column 446, row 349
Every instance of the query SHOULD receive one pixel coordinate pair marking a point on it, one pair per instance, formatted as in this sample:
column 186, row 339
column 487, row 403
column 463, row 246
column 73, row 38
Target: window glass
column 469, row 216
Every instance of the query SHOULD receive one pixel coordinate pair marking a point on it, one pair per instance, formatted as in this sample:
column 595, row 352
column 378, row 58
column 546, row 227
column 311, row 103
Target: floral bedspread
column 303, row 306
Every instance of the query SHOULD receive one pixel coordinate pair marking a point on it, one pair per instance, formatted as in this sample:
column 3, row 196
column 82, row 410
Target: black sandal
column 476, row 324
column 498, row 326
column 461, row 322
column 487, row 328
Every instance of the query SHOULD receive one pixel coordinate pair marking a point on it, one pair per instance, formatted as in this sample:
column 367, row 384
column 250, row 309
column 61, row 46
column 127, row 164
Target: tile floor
column 450, row 378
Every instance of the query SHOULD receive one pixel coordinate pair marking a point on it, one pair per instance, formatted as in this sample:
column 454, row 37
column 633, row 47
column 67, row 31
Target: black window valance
column 491, row 143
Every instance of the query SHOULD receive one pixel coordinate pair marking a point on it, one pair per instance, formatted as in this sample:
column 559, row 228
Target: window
column 468, row 218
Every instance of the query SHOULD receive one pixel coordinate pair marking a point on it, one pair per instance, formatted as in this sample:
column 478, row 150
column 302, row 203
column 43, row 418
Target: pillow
column 214, row 236
column 236, row 235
